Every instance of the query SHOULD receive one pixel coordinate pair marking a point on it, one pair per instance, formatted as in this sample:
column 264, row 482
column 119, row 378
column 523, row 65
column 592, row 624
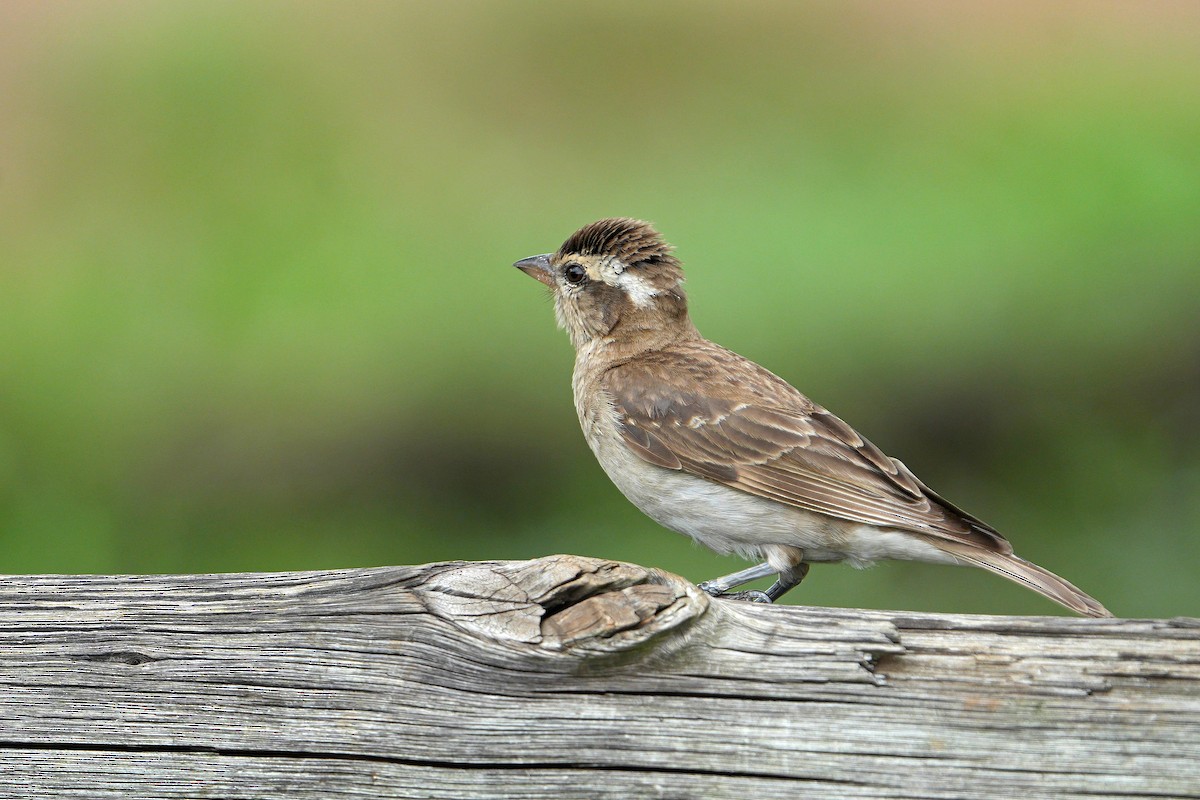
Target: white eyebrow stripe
column 638, row 290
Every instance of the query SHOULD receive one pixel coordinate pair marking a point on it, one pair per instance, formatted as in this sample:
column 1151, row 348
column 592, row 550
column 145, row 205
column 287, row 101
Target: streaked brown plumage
column 711, row 444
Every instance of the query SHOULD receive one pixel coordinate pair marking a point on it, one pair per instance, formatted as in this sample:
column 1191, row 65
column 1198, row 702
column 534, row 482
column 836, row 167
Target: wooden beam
column 569, row 677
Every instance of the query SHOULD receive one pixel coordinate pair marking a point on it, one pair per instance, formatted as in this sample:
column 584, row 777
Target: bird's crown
column 631, row 242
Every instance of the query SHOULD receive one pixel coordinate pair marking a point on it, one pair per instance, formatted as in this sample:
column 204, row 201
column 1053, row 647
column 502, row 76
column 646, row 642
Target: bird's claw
column 749, row 596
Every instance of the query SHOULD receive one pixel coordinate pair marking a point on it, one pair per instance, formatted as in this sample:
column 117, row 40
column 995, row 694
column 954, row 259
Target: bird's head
column 615, row 278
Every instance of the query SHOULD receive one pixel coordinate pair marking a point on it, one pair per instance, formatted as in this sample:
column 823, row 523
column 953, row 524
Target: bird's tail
column 1028, row 574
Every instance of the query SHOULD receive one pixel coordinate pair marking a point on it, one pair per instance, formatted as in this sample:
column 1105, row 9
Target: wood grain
column 568, row 677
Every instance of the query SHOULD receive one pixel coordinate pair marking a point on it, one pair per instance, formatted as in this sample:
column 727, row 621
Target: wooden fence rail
column 569, row 677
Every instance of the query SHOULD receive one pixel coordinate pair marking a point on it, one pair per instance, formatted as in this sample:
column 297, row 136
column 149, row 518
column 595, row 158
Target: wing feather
column 750, row 430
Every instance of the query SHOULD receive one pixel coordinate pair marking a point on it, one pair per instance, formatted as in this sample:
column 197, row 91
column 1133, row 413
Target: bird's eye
column 574, row 274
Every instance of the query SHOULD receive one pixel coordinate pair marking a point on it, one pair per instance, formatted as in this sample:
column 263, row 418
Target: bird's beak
column 537, row 267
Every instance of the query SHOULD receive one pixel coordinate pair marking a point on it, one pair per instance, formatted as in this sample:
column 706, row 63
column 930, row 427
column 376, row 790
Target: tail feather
column 1028, row 574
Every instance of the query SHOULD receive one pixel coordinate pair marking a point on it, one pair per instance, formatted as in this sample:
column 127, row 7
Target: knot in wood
column 563, row 602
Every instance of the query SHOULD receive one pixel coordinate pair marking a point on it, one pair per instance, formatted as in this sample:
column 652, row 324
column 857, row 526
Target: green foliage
column 256, row 309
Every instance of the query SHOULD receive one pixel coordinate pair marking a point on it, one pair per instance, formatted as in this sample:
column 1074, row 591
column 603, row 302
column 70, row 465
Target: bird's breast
column 720, row 517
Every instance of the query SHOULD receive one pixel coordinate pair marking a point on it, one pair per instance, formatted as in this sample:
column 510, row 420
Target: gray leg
column 787, row 580
column 720, row 586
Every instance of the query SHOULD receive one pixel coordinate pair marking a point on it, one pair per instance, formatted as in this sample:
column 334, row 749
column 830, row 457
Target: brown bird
column 712, row 445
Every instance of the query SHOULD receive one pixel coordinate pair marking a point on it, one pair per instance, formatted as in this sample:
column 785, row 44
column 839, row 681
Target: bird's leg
column 788, row 579
column 719, row 587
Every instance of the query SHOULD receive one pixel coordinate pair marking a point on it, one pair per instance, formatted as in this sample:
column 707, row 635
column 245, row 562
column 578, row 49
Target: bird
column 710, row 444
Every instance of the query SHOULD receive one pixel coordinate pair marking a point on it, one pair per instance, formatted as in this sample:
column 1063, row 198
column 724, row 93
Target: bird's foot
column 749, row 596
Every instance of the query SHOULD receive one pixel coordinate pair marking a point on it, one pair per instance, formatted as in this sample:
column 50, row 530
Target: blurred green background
column 257, row 310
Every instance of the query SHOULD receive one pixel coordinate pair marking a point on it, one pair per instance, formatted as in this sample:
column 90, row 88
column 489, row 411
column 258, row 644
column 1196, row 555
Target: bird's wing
column 705, row 410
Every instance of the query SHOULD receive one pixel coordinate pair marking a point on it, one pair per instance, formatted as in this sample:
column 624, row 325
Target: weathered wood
column 568, row 677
